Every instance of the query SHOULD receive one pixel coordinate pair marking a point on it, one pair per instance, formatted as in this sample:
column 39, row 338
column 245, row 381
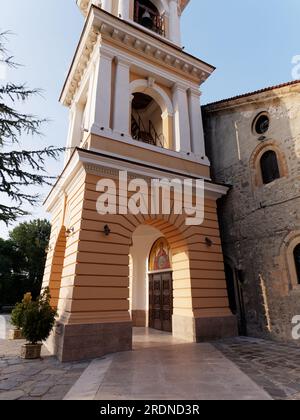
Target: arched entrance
column 151, row 280
column 160, row 287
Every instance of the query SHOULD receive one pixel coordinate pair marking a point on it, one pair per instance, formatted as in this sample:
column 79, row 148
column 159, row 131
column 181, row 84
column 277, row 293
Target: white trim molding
column 149, row 87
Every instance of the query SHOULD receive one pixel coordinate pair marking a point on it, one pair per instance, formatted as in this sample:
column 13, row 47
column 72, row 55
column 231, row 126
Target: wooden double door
column 161, row 301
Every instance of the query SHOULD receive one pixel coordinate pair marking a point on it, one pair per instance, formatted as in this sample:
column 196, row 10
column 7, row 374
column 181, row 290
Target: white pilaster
column 106, row 5
column 122, row 100
column 101, row 100
column 196, row 123
column 181, row 120
column 123, row 11
column 75, row 130
column 174, row 22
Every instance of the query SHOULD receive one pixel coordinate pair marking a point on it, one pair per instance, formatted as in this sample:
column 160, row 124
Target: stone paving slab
column 162, row 368
column 42, row 379
column 273, row 366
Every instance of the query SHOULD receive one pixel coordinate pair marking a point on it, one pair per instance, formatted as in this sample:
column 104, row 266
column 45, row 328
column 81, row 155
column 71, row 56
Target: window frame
column 268, row 168
column 255, row 121
column 255, row 166
column 288, row 269
column 297, row 265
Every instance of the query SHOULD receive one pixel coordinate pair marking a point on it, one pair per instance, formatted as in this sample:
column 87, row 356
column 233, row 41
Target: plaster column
column 123, row 11
column 181, row 120
column 167, row 123
column 101, row 100
column 106, row 5
column 122, row 98
column 196, row 123
column 174, row 22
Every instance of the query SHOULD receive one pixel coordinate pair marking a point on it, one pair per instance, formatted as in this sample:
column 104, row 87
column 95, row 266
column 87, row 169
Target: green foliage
column 22, row 261
column 17, row 315
column 38, row 319
column 31, row 239
column 12, row 279
column 19, row 168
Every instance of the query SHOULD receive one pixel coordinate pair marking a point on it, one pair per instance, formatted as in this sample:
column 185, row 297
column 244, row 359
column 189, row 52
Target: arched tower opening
column 146, row 120
column 148, row 15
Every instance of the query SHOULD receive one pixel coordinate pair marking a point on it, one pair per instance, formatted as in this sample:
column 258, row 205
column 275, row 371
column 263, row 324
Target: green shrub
column 17, row 314
column 38, row 319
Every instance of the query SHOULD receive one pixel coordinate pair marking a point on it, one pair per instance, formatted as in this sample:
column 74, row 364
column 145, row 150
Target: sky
column 251, row 42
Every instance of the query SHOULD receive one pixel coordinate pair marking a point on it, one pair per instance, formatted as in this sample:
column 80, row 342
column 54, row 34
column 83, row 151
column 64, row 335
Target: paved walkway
column 44, row 379
column 160, row 367
column 273, row 366
column 163, row 368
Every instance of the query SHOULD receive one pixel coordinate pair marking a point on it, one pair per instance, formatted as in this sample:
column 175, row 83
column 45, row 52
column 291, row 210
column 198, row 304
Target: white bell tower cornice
column 141, row 43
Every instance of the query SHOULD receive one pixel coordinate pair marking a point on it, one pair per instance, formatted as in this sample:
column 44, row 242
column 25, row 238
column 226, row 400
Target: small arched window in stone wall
column 297, row 261
column 267, row 163
column 290, row 257
column 269, row 167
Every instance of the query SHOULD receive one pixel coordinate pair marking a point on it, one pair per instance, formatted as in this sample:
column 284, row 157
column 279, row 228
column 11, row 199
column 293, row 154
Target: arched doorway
column 234, row 281
column 151, row 279
column 160, row 287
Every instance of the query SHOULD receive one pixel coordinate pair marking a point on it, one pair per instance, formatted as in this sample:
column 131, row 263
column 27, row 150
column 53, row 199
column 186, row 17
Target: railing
column 140, row 133
column 158, row 138
column 158, row 22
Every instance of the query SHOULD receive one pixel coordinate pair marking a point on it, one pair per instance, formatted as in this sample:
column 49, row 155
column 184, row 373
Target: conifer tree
column 19, row 168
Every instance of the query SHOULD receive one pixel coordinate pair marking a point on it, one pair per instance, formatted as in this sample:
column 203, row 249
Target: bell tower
column 133, row 96
column 160, row 16
column 129, row 65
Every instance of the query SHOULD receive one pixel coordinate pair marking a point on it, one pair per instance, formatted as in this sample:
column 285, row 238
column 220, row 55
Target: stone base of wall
column 184, row 328
column 198, row 330
column 139, row 318
column 210, row 329
column 74, row 342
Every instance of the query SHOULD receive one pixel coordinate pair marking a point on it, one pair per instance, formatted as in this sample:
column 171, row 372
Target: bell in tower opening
column 147, row 15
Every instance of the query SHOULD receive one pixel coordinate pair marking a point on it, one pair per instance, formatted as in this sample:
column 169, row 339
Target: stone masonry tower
column 134, row 102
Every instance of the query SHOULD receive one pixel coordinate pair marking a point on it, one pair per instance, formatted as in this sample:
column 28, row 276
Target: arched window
column 146, row 120
column 269, row 167
column 160, row 256
column 147, row 15
column 297, row 261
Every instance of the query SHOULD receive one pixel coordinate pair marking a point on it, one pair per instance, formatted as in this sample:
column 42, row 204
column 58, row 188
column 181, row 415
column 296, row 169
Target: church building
column 253, row 141
column 133, row 95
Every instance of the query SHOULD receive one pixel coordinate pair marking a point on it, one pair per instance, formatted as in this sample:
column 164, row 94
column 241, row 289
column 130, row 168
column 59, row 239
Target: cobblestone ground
column 44, row 379
column 273, row 366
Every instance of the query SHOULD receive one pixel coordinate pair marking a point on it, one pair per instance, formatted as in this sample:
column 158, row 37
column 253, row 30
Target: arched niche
column 158, row 94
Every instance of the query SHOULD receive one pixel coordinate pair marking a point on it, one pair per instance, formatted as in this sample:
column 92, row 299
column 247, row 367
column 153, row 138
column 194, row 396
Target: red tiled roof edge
column 245, row 95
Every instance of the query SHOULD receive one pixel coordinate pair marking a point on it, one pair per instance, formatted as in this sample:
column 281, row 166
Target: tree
column 12, row 279
column 22, row 261
column 19, row 168
column 31, row 240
